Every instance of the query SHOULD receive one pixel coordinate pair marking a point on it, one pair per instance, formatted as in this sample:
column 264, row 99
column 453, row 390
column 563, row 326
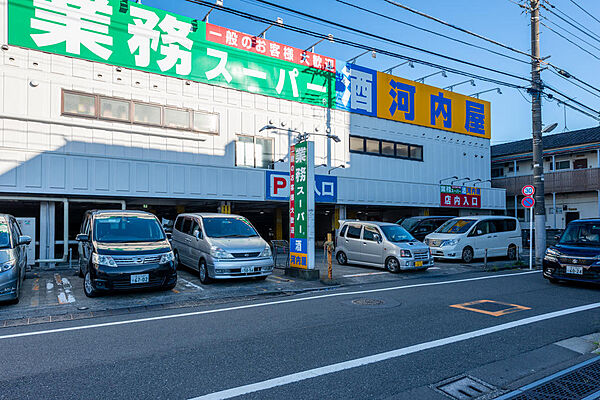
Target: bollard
column 485, row 259
column 70, row 258
column 328, row 247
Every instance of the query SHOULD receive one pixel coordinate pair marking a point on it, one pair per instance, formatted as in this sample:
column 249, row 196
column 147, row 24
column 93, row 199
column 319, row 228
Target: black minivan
column 576, row 256
column 120, row 250
column 419, row 227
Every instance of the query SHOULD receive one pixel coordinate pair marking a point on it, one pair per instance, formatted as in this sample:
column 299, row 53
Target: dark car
column 419, row 227
column 121, row 250
column 576, row 256
column 13, row 258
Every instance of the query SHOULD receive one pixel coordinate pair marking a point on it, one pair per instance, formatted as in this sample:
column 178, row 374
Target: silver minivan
column 380, row 244
column 220, row 246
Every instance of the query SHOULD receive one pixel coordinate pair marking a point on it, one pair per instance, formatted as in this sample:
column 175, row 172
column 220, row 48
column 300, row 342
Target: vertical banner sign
column 302, row 205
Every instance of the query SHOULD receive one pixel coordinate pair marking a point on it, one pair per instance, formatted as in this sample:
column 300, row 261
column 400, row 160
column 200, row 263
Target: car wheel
column 392, row 265
column 177, row 260
column 467, row 255
column 553, row 281
column 341, row 258
column 203, row 273
column 512, row 252
column 88, row 286
column 169, row 287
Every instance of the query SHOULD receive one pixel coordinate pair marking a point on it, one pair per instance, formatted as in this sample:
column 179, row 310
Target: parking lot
column 53, row 295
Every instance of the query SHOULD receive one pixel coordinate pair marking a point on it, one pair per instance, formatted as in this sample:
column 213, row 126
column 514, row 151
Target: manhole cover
column 464, row 388
column 367, row 302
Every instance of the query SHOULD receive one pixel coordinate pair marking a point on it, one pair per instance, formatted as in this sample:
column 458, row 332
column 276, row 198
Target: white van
column 467, row 238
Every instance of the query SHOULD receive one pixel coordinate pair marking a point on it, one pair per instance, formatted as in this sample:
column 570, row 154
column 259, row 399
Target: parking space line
column 375, row 358
column 174, row 290
column 191, row 284
column 35, row 298
column 364, row 274
column 509, row 308
column 279, row 279
column 65, row 295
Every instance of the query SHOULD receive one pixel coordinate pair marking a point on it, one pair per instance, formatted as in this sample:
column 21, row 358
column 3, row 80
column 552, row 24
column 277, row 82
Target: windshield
column 410, row 223
column 130, row 228
column 4, row 235
column 220, row 227
column 396, row 233
column 582, row 234
column 456, row 226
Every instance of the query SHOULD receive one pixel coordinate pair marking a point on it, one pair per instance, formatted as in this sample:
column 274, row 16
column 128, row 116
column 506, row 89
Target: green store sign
column 134, row 36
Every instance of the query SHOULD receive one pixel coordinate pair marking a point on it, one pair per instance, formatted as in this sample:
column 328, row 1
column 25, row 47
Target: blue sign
column 278, row 187
column 528, row 202
column 356, row 90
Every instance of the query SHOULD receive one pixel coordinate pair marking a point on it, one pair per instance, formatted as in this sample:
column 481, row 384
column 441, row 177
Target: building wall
column 42, row 151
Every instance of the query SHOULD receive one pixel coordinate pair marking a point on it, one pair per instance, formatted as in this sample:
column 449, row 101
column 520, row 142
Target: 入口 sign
column 278, row 187
column 460, row 196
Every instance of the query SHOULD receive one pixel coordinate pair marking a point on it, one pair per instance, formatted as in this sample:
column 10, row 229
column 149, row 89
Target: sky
column 501, row 20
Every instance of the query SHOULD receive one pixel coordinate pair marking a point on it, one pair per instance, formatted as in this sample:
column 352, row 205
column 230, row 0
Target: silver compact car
column 380, row 244
column 13, row 258
column 221, row 246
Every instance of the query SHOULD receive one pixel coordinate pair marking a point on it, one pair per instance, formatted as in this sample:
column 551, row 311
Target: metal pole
column 531, row 238
column 536, row 116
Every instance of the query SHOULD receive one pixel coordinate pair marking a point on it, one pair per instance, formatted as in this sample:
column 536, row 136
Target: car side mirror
column 198, row 235
column 82, row 237
column 169, row 235
column 479, row 232
column 377, row 238
column 24, row 239
column 557, row 237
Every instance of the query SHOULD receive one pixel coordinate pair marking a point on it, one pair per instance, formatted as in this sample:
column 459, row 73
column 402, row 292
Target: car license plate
column 571, row 269
column 246, row 270
column 141, row 278
column 418, row 263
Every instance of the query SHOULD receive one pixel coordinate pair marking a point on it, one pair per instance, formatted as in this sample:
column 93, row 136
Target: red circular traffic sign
column 528, row 190
column 528, row 202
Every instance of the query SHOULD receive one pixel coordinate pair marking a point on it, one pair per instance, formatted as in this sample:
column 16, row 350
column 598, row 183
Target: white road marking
column 358, row 362
column 49, row 286
column 247, row 306
column 191, row 284
column 67, row 287
column 432, row 268
column 364, row 274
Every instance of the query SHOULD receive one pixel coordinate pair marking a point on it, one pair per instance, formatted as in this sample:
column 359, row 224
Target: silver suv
column 380, row 244
column 220, row 246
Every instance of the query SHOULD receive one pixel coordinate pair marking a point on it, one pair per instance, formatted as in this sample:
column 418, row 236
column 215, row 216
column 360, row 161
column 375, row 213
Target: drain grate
column 367, row 302
column 580, row 383
column 464, row 388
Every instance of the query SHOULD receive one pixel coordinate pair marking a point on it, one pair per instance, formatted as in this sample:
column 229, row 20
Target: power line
column 585, row 11
column 596, row 112
column 570, row 23
column 571, row 33
column 458, row 28
column 430, row 31
column 570, row 41
column 372, row 35
column 574, row 83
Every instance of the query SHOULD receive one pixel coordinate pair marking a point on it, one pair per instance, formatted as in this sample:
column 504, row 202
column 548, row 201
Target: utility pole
column 536, row 119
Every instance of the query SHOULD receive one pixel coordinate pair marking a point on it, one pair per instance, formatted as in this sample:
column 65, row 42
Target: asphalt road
column 415, row 337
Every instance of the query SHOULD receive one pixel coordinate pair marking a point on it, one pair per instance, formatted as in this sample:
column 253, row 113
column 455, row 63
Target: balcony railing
column 575, row 180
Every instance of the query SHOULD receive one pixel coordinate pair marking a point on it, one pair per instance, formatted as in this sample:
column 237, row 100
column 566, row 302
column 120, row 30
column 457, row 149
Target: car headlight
column 266, row 252
column 551, row 254
column 101, row 259
column 7, row 266
column 405, row 253
column 218, row 252
column 167, row 258
column 450, row 242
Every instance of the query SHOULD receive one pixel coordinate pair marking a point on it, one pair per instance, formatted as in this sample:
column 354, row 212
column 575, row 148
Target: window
column 580, row 163
column 357, row 144
column 114, row 109
column 373, row 146
column 497, row 172
column 187, row 224
column 343, row 231
column 401, row 150
column 566, row 164
column 175, row 118
column 353, row 232
column 385, row 148
column 254, row 152
column 179, row 224
column 416, row 152
column 133, row 112
column 79, row 104
column 206, row 122
column 369, row 233
column 146, row 114
column 195, row 228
